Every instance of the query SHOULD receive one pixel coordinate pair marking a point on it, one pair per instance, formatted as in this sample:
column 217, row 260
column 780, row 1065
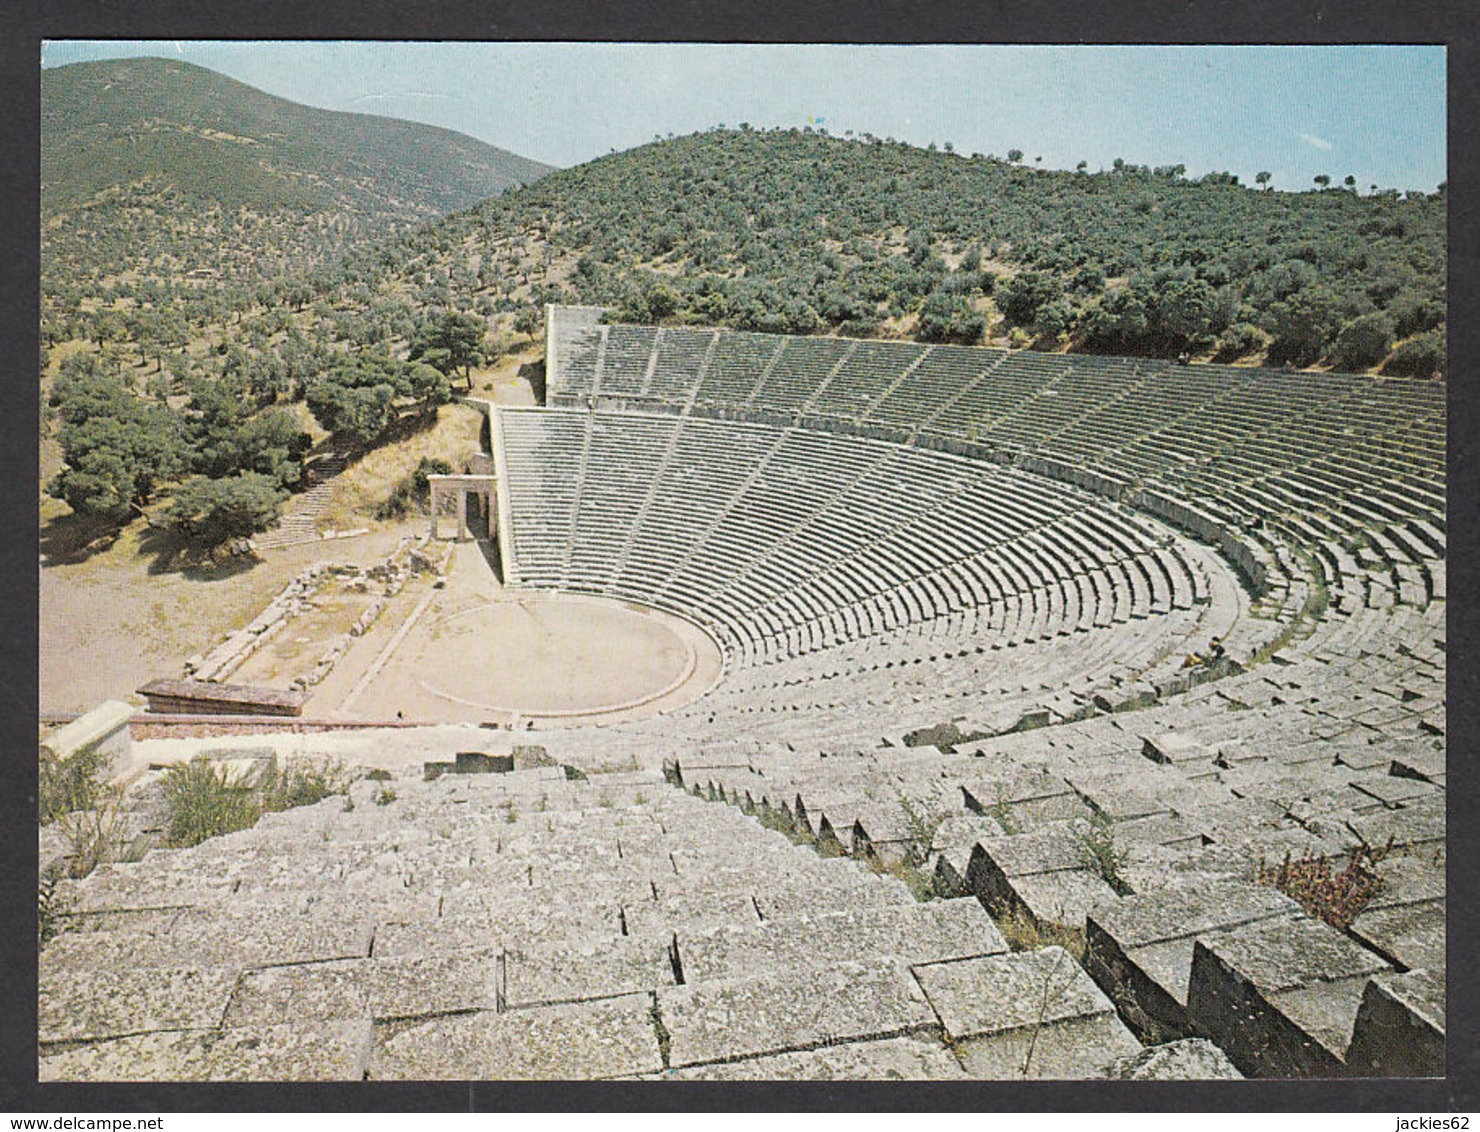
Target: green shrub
column 1423, row 356
column 413, row 491
column 68, row 785
column 1106, row 859
column 204, row 804
column 1363, row 342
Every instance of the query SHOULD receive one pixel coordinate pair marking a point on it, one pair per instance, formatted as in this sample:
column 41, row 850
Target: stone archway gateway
column 461, row 487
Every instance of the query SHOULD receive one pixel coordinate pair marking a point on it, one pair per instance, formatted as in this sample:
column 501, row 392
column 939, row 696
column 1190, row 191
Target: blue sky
column 1377, row 113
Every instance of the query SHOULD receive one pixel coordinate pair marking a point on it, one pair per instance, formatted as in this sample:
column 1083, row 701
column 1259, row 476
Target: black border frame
column 890, row 21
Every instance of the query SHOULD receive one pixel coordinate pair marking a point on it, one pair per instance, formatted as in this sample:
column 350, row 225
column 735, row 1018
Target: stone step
column 1280, row 997
column 1032, row 1014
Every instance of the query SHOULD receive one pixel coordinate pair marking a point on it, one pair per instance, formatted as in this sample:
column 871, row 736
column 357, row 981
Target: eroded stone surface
column 912, row 1057
column 611, row 1038
column 1053, row 1050
column 777, row 1011
column 1192, row 1059
column 309, row 991
column 76, row 1004
column 1400, row 1027
column 997, row 993
column 546, row 972
column 913, row 933
column 328, row 1050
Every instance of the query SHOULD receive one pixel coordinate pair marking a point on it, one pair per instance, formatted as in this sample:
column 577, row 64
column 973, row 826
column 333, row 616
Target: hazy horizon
column 1377, row 113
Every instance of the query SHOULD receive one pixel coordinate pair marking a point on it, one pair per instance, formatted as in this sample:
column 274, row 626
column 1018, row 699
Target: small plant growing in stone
column 204, row 804
column 1106, row 858
column 1051, row 994
column 51, row 906
column 74, row 794
column 385, row 796
column 95, row 835
column 1023, row 933
column 1001, row 812
column 66, row 786
column 1334, row 895
column 920, row 827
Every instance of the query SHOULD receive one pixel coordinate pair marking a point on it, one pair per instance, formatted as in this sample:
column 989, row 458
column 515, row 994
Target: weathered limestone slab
column 1002, row 992
column 423, row 985
column 1183, row 910
column 301, row 993
column 577, row 1041
column 778, row 1010
column 1192, row 1059
column 1400, row 1026
column 1027, row 798
column 1066, row 897
column 1028, row 1014
column 920, row 933
column 694, row 912
column 913, row 1057
column 1157, row 829
column 1393, row 790
column 122, row 887
column 550, row 971
column 1412, row 935
column 267, row 935
column 312, row 1050
column 1280, row 996
column 1173, row 749
column 1139, row 949
column 104, row 729
column 1416, row 825
column 1408, row 880
column 82, row 1003
column 794, row 900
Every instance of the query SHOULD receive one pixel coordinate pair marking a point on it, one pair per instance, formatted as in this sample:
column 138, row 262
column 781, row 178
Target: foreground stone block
column 309, row 992
column 1139, row 949
column 779, row 1010
column 1029, row 1014
column 80, row 1004
column 1280, row 997
column 603, row 967
column 912, row 933
column 1412, row 935
column 1192, row 1059
column 336, row 1050
column 914, row 1057
column 577, row 1041
column 1400, row 1027
column 425, row 985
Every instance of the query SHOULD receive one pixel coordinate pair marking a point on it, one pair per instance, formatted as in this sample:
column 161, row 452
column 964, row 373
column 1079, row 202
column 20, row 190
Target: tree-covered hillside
column 798, row 231
column 780, row 230
column 167, row 186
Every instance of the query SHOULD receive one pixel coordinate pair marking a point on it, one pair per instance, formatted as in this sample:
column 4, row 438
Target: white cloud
column 1319, row 143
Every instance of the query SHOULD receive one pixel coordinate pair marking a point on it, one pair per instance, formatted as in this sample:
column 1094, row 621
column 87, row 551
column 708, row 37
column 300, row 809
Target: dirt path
column 116, row 620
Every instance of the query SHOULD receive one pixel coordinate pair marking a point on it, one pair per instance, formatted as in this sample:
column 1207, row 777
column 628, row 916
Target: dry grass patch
column 1023, row 933
column 1317, row 885
column 369, row 481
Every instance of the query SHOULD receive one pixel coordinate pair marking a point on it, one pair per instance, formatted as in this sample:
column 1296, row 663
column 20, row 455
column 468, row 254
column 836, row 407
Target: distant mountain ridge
column 166, row 185
column 114, row 122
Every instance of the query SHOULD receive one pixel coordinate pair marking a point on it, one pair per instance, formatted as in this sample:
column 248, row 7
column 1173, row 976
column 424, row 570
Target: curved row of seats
column 785, row 541
column 1335, row 462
